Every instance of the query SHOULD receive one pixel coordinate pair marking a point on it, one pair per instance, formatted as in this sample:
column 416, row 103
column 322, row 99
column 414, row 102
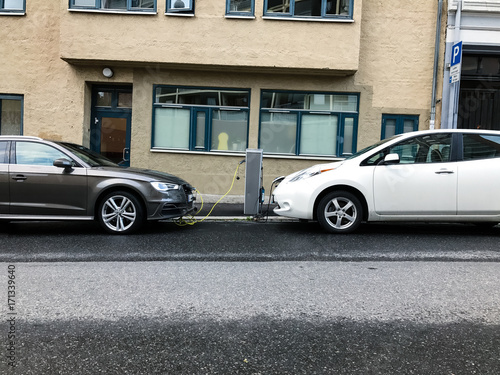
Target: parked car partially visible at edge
column 425, row 176
column 48, row 180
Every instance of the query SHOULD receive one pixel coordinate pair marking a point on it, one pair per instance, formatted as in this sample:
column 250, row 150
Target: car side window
column 429, row 148
column 481, row 146
column 4, row 157
column 37, row 154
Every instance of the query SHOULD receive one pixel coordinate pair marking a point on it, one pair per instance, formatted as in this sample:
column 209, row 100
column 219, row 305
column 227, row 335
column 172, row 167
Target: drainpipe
column 436, row 62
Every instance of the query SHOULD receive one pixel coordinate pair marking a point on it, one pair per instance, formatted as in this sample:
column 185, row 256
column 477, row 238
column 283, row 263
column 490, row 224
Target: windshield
column 369, row 148
column 90, row 157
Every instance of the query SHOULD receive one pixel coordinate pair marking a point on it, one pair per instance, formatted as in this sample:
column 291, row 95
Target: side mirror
column 391, row 159
column 63, row 163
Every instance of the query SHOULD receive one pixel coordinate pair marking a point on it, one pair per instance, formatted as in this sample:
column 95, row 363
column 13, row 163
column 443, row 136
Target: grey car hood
column 141, row 174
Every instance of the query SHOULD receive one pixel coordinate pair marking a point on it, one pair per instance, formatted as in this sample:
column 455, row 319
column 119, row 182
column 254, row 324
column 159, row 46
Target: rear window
column 481, row 146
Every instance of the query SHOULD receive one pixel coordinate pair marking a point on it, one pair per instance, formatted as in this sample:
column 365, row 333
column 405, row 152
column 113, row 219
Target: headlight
column 312, row 171
column 163, row 186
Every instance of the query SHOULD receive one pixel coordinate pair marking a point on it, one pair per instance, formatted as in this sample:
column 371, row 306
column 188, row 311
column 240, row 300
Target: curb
column 274, row 219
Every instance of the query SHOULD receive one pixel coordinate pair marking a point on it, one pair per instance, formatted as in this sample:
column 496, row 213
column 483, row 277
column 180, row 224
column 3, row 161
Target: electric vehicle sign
column 456, row 62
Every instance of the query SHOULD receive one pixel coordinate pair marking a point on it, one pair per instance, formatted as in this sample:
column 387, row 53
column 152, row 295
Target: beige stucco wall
column 53, row 57
column 212, row 40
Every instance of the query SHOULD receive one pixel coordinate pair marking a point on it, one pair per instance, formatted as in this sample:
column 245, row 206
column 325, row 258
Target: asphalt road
column 246, row 241
column 250, row 298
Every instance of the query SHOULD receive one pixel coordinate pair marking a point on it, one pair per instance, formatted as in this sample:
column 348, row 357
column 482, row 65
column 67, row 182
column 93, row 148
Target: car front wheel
column 340, row 212
column 120, row 213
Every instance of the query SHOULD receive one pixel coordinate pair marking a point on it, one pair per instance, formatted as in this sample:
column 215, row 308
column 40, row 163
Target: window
column 115, row 5
column 4, row 156
column 12, row 6
column 397, row 124
column 478, row 147
column 308, row 124
column 433, row 148
column 180, row 7
column 240, row 8
column 11, row 115
column 340, row 9
column 200, row 119
column 37, row 154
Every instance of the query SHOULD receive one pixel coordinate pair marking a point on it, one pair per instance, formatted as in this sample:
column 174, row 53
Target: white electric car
column 431, row 176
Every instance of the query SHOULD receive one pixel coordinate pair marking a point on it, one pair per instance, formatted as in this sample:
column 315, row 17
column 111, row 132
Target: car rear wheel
column 120, row 213
column 340, row 212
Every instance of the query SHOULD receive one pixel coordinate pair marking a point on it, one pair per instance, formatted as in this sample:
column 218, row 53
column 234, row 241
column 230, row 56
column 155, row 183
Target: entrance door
column 111, row 122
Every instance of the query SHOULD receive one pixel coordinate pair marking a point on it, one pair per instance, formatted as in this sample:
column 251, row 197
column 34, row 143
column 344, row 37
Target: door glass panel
column 113, row 137
column 37, row 154
column 200, row 130
column 478, row 147
column 104, row 99
column 125, row 99
column 433, row 148
column 3, row 152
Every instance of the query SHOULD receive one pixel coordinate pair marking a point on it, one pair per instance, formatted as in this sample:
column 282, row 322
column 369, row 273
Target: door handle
column 19, row 177
column 444, row 171
column 126, row 154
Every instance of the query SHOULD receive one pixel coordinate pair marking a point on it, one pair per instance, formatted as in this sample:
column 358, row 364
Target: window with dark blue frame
column 242, row 8
column 11, row 115
column 200, row 119
column 115, row 5
column 397, row 124
column 13, row 6
column 308, row 123
column 327, row 9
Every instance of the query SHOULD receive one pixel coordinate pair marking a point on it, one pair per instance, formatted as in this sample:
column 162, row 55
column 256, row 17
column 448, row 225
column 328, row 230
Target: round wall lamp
column 107, row 72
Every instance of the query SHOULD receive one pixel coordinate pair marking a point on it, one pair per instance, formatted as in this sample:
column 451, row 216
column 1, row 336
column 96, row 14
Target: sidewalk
column 233, row 211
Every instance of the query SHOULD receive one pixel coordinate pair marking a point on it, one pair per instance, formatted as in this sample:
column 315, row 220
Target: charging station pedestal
column 253, row 182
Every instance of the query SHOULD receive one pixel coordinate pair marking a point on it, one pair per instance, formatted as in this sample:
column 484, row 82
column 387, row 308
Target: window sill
column 302, row 157
column 304, row 19
column 242, row 153
column 211, row 153
column 111, row 11
column 4, row 13
column 180, row 14
column 240, row 17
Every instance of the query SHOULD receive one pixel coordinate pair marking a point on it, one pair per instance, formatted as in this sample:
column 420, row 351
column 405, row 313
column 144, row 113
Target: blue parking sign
column 456, row 54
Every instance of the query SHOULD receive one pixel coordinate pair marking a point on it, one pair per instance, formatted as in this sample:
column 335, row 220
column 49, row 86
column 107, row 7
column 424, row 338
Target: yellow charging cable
column 190, row 220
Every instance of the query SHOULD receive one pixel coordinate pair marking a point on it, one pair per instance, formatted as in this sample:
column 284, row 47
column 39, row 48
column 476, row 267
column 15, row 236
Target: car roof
column 20, row 137
column 465, row 131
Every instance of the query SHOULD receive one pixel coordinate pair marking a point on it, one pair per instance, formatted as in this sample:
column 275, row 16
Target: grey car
column 49, row 180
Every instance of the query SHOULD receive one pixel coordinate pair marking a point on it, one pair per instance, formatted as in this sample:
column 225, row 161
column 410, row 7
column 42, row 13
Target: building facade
column 187, row 86
column 472, row 99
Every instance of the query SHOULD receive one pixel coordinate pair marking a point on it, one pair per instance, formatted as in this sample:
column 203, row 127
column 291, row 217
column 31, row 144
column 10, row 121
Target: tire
column 120, row 213
column 340, row 212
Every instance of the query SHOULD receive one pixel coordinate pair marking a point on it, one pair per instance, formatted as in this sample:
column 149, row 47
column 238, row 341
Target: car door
column 37, row 187
column 4, row 177
column 423, row 183
column 479, row 175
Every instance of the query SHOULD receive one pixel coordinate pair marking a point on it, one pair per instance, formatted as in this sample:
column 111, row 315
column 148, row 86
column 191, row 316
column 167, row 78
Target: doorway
column 111, row 122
